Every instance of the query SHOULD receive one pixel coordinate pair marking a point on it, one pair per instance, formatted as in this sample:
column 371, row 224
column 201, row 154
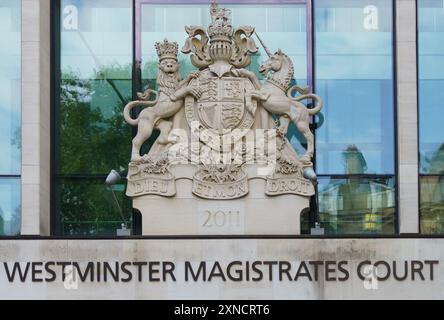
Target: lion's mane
column 167, row 83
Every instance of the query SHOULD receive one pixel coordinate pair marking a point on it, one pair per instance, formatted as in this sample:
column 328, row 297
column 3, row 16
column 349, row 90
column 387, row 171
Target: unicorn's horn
column 263, row 45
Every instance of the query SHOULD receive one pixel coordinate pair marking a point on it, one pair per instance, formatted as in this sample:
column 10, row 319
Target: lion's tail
column 130, row 106
column 305, row 96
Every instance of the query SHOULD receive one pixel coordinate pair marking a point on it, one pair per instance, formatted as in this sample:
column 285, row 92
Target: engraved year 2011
column 220, row 219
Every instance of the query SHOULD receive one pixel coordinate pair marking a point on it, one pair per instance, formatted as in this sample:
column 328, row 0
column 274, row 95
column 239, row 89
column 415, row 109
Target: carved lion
column 166, row 103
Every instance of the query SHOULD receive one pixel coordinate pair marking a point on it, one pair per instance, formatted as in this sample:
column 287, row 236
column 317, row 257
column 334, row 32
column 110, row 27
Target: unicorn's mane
column 284, row 80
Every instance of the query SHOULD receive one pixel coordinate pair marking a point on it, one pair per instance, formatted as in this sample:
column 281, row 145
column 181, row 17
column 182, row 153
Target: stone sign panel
column 218, row 269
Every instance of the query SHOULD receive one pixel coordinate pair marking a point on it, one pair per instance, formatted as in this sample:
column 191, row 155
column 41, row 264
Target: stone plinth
column 187, row 214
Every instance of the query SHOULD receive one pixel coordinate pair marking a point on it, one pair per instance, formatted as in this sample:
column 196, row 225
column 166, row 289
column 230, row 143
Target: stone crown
column 167, row 49
column 220, row 28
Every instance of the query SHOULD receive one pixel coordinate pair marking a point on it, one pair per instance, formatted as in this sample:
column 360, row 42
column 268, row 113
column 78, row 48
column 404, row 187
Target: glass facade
column 431, row 97
column 354, row 68
column 92, row 137
column 10, row 116
column 355, row 137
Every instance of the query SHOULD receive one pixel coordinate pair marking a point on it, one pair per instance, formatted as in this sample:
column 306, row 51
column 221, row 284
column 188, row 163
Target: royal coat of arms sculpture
column 222, row 147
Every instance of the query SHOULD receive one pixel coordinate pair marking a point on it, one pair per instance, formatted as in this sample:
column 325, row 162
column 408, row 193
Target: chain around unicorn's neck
column 283, row 77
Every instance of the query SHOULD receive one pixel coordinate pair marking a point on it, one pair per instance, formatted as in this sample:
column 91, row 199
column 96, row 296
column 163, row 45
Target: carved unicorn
column 276, row 96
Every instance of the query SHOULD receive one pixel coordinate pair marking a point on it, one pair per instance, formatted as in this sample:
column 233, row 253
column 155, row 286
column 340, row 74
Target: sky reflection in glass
column 354, row 75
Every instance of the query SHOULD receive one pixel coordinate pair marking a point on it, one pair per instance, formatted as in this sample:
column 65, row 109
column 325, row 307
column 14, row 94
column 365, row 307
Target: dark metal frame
column 137, row 5
column 395, row 113
column 55, row 97
column 228, row 237
column 418, row 132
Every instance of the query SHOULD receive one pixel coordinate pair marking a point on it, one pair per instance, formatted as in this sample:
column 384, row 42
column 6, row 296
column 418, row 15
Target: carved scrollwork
column 197, row 45
column 244, row 45
column 221, row 173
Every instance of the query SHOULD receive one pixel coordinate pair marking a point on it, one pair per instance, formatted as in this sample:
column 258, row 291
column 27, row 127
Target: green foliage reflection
column 94, row 139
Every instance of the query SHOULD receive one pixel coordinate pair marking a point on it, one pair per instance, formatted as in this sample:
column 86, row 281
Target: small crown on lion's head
column 167, row 50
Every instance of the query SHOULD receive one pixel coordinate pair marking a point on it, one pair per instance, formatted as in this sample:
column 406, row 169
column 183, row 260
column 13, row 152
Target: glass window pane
column 431, row 82
column 357, row 205
column 280, row 26
column 431, row 97
column 93, row 136
column 9, row 207
column 354, row 76
column 87, row 208
column 96, row 71
column 10, row 86
column 432, row 205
